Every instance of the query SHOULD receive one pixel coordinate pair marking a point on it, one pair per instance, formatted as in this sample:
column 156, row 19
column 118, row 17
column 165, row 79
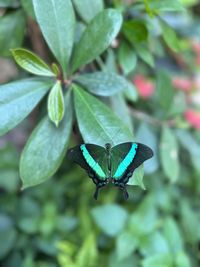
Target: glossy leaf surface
column 18, row 99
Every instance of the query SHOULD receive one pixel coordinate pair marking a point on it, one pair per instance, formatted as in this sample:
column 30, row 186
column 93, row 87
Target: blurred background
column 58, row 224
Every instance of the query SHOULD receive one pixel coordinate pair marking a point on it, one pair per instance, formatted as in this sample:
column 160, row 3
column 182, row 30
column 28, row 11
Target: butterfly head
column 108, row 146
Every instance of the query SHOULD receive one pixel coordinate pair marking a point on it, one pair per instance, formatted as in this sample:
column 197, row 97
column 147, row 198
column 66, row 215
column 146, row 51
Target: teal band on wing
column 126, row 161
column 91, row 162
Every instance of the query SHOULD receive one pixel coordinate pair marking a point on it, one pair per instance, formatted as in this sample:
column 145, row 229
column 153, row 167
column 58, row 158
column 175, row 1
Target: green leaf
column 144, row 219
column 18, row 99
column 56, row 106
column 135, row 31
column 122, row 112
column 131, row 93
column 127, row 58
column 169, row 36
column 126, row 244
column 173, row 235
column 189, row 221
column 88, row 9
column 191, row 145
column 8, row 235
column 131, row 261
column 166, row 5
column 57, row 22
column 31, row 62
column 110, row 218
column 9, row 3
column 159, row 260
column 87, row 254
column 179, row 104
column 182, row 260
column 12, row 29
column 9, row 180
column 28, row 7
column 110, row 62
column 153, row 244
column 96, row 121
column 137, row 178
column 101, row 31
column 104, row 83
column 45, row 149
column 143, row 52
column 169, row 154
column 146, row 135
column 164, row 90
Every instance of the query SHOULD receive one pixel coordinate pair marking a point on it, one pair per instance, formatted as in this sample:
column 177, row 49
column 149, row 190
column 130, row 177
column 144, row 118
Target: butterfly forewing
column 121, row 156
column 127, row 157
column 92, row 158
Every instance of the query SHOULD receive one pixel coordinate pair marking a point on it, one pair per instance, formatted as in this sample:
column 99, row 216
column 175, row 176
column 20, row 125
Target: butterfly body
column 110, row 164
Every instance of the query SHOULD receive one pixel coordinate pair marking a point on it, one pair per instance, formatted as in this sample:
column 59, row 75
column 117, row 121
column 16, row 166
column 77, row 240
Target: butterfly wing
column 93, row 159
column 126, row 158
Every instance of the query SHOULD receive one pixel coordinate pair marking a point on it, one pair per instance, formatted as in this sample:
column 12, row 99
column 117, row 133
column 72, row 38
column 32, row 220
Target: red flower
column 145, row 87
column 182, row 83
column 196, row 47
column 193, row 118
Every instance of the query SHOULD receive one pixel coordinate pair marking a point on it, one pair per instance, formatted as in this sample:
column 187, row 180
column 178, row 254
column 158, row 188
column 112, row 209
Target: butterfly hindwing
column 126, row 158
column 93, row 159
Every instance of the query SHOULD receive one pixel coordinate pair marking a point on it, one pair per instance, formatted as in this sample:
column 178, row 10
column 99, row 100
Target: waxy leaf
column 31, row 62
column 135, row 31
column 144, row 53
column 169, row 154
column 96, row 121
column 127, row 58
column 18, row 99
column 104, row 83
column 170, row 37
column 97, row 37
column 28, row 7
column 56, row 106
column 158, row 260
column 56, row 20
column 137, row 178
column 112, row 216
column 45, row 149
column 12, row 28
column 8, row 235
column 166, row 5
column 9, row 3
column 88, row 9
column 117, row 101
column 148, row 137
column 126, row 244
column 164, row 90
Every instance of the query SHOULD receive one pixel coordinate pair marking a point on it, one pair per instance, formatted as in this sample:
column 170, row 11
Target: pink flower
column 196, row 47
column 193, row 118
column 144, row 86
column 182, row 83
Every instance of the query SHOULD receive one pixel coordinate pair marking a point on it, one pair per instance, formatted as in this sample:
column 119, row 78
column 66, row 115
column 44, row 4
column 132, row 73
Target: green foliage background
column 96, row 48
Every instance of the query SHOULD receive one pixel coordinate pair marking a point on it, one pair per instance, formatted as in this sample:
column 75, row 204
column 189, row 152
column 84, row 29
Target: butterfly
column 110, row 164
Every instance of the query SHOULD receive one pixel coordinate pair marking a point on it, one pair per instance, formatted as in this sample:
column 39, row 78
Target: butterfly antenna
column 96, row 193
column 125, row 193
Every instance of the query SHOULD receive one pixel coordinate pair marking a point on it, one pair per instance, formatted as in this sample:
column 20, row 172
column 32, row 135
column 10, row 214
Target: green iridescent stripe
column 126, row 161
column 91, row 162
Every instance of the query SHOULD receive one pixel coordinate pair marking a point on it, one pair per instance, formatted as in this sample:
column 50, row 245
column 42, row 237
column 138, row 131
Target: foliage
column 113, row 68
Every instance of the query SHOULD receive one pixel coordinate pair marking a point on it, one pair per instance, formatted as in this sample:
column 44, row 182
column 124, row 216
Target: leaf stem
column 140, row 115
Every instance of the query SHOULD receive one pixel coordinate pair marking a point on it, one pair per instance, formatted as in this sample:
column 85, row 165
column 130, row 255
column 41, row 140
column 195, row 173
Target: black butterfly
column 110, row 164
